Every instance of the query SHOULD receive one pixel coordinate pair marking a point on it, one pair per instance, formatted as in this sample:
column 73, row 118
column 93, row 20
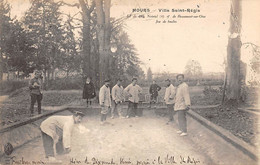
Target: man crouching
column 56, row 131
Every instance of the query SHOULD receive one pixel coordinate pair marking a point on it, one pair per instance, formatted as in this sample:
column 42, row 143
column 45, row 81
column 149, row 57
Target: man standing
column 169, row 99
column 182, row 104
column 133, row 90
column 35, row 86
column 104, row 100
column 118, row 98
column 154, row 88
column 56, row 131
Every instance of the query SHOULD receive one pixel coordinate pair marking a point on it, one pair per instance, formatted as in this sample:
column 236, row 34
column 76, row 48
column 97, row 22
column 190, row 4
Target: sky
column 167, row 47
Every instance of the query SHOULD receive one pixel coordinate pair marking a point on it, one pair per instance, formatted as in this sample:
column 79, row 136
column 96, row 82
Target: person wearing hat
column 169, row 99
column 35, row 86
column 118, row 98
column 56, row 131
column 133, row 90
column 105, row 100
column 182, row 104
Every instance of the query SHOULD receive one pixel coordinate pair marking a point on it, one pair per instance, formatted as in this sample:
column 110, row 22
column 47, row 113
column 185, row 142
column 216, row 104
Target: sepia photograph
column 129, row 82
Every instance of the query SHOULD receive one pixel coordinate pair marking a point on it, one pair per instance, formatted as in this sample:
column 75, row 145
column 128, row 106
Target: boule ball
column 8, row 148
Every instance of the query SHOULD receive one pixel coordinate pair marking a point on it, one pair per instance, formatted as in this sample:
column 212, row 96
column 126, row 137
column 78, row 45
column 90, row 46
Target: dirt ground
column 138, row 141
column 241, row 124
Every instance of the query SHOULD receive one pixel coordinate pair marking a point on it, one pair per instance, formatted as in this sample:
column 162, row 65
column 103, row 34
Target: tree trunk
column 107, row 4
column 96, row 63
column 45, row 80
column 67, row 73
column 233, row 52
column 103, row 35
column 86, row 39
column 1, row 46
column 1, row 67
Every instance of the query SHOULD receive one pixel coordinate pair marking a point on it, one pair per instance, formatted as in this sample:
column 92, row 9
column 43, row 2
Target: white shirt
column 105, row 96
column 170, row 94
column 118, row 93
column 134, row 92
column 182, row 98
column 56, row 126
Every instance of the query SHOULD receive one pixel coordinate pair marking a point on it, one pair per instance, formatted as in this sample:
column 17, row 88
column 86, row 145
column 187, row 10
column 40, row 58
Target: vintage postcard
column 129, row 82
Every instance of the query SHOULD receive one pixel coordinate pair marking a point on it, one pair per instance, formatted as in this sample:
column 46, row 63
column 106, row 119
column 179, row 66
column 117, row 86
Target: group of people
column 132, row 91
column 176, row 98
column 56, row 130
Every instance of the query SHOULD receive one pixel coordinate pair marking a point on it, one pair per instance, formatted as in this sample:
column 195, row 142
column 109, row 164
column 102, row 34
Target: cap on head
column 134, row 79
column 78, row 113
column 107, row 80
column 180, row 75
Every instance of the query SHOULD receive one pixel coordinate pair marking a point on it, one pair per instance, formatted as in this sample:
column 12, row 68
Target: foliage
column 193, row 69
column 19, row 49
column 69, row 58
column 41, row 40
column 254, row 65
column 241, row 124
column 65, row 83
column 7, row 87
column 125, row 61
column 4, row 34
column 15, row 45
column 149, row 75
column 213, row 92
column 43, row 22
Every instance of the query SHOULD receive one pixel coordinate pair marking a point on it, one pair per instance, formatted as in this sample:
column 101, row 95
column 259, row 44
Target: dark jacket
column 89, row 91
column 35, row 86
column 154, row 88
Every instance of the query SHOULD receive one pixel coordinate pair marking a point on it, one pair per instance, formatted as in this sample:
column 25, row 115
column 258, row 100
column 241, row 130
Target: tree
column 70, row 58
column 43, row 21
column 19, row 50
column 149, row 75
column 193, row 69
column 4, row 34
column 15, row 46
column 125, row 61
column 233, row 52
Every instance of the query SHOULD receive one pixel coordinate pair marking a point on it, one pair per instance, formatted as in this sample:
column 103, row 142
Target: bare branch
column 70, row 5
column 71, row 17
column 76, row 14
